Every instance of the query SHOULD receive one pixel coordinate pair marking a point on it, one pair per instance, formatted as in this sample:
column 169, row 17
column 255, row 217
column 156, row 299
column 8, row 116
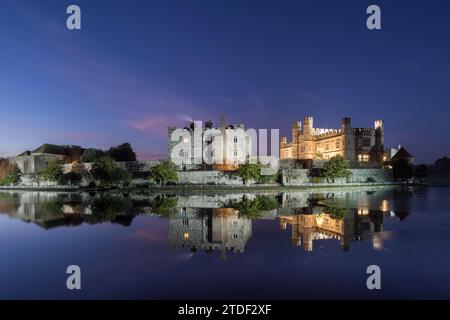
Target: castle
column 353, row 144
column 222, row 148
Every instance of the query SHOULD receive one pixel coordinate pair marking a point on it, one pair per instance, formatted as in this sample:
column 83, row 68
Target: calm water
column 295, row 245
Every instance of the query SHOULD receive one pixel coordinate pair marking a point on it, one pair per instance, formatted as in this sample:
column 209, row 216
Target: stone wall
column 208, row 178
column 295, row 177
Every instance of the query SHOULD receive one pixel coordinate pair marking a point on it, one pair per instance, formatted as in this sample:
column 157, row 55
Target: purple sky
column 138, row 67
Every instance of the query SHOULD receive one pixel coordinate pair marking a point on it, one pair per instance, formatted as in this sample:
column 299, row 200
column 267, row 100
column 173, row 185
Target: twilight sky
column 137, row 67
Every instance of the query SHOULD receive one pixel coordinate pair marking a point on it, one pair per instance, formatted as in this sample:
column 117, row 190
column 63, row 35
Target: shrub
column 316, row 180
column 370, row 179
column 71, row 178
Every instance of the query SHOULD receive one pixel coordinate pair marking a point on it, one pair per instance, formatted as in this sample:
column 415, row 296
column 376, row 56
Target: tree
column 335, row 168
column 252, row 208
column 290, row 171
column 164, row 172
column 122, row 153
column 442, row 164
column 421, row 172
column 9, row 173
column 107, row 171
column 165, row 206
column 90, row 155
column 52, row 172
column 402, row 170
column 250, row 171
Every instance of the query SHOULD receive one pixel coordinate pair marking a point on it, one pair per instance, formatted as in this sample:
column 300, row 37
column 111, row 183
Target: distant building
column 353, row 144
column 195, row 146
column 34, row 162
column 392, row 155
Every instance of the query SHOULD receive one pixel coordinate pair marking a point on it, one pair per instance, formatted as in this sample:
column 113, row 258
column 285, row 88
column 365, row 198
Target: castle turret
column 379, row 133
column 308, row 138
column 345, row 124
column 296, row 128
column 308, row 124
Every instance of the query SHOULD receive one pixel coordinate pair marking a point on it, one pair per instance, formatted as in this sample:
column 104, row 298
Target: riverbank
column 206, row 188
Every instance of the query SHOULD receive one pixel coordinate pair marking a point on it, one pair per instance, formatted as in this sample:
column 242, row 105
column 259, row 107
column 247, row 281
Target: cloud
column 155, row 125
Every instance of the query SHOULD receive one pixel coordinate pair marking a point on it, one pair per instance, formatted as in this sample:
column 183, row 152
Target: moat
column 267, row 244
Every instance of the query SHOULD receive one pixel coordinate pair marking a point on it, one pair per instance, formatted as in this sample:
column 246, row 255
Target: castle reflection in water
column 222, row 222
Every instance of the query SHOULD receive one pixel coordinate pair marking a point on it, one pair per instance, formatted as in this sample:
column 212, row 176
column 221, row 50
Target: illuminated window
column 363, row 157
column 185, row 140
column 186, row 236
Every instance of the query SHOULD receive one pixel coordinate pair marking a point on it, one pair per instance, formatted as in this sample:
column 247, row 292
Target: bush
column 164, row 172
column 316, row 180
column 370, row 179
column 71, row 178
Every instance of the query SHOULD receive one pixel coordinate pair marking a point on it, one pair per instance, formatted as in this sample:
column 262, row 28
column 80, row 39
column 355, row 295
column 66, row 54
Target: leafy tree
column 442, row 164
column 122, row 153
column 164, row 172
column 165, row 206
column 52, row 172
column 90, row 155
column 250, row 171
column 402, row 170
column 421, row 171
column 335, row 168
column 252, row 208
column 107, row 171
column 9, row 173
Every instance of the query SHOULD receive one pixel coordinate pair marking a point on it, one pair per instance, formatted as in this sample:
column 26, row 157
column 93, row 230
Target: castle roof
column 48, row 148
column 52, row 149
column 402, row 154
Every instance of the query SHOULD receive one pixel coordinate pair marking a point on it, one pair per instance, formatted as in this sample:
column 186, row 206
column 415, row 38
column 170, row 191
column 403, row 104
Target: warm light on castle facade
column 354, row 144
